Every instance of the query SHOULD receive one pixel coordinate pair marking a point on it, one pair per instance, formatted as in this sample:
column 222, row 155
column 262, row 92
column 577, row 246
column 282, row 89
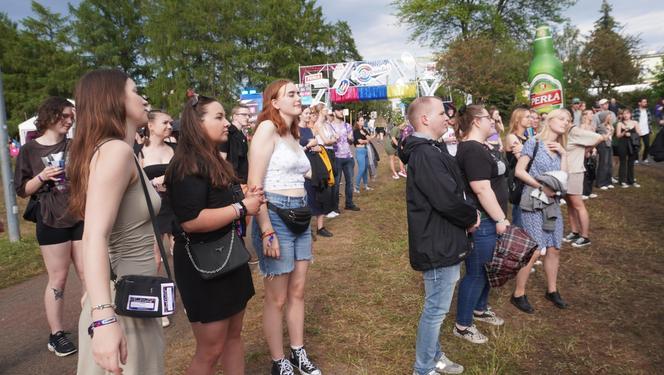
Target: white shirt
column 643, row 122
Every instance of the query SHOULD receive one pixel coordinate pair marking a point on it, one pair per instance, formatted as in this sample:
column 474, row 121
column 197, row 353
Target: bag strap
column 153, row 219
column 530, row 163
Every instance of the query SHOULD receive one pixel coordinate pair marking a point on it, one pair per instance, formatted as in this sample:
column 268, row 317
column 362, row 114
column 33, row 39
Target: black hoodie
column 438, row 211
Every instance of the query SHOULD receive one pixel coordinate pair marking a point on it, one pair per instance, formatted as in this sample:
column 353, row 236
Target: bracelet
column 103, row 306
column 267, row 234
column 501, row 220
column 99, row 323
column 237, row 210
column 40, row 178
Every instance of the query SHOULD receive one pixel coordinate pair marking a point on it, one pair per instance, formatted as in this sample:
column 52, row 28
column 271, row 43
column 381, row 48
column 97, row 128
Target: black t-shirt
column 357, row 135
column 478, row 163
column 193, row 194
column 237, row 151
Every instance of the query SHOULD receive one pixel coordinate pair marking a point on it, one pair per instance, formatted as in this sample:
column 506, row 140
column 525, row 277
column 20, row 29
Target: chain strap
column 228, row 257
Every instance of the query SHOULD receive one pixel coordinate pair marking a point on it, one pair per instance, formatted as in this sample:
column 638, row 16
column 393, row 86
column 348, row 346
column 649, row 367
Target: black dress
column 166, row 218
column 205, row 300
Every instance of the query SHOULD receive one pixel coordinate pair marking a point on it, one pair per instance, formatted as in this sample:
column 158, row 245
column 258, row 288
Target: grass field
column 364, row 300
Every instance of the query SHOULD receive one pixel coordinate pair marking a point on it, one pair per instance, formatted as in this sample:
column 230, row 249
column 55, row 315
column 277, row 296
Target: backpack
column 514, row 184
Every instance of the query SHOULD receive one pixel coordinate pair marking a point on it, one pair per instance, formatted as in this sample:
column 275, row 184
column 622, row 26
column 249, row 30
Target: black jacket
column 438, row 211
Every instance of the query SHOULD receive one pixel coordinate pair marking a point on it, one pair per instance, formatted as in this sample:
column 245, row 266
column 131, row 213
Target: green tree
column 492, row 72
column 658, row 86
column 609, row 56
column 568, row 46
column 109, row 34
column 439, row 23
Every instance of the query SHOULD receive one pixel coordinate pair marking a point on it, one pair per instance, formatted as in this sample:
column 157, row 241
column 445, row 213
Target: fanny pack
column 141, row 296
column 296, row 219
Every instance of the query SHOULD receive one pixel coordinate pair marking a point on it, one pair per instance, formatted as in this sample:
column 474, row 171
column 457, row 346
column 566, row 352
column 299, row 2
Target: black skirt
column 210, row 300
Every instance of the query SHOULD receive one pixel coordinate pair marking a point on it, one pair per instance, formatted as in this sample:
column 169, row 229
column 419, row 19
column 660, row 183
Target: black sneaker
column 522, row 304
column 571, row 237
column 581, row 242
column 60, row 344
column 301, row 362
column 556, row 299
column 324, row 232
column 282, row 367
column 353, row 208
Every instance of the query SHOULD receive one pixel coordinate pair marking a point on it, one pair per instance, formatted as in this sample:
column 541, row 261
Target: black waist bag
column 296, row 219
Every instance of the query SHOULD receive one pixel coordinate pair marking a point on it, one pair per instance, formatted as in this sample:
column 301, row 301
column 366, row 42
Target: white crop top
column 286, row 169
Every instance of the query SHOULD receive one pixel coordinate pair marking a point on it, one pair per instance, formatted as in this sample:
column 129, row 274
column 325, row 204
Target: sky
column 378, row 34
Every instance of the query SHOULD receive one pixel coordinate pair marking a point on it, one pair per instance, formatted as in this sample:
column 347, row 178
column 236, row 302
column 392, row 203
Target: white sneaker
column 624, row 185
column 614, row 180
column 604, row 188
column 432, row 372
column 593, row 195
column 470, row 334
column 395, row 177
column 402, row 174
column 563, row 202
column 445, row 366
column 584, row 197
column 538, row 263
column 332, row 215
column 368, row 188
column 488, row 316
column 611, row 186
column 636, row 185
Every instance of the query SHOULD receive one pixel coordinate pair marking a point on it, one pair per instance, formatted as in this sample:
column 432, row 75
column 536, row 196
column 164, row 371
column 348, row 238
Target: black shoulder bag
column 515, row 184
column 217, row 258
column 140, row 296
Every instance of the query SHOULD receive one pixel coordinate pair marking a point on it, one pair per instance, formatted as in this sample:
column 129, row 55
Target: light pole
column 7, row 176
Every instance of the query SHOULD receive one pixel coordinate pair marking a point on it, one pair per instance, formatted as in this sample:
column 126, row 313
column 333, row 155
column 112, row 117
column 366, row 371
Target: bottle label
column 546, row 93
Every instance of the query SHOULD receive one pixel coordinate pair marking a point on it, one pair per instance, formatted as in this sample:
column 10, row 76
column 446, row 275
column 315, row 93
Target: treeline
column 167, row 46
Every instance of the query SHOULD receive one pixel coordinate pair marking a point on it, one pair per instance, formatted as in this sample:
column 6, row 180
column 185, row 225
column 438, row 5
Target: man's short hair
column 237, row 108
column 418, row 107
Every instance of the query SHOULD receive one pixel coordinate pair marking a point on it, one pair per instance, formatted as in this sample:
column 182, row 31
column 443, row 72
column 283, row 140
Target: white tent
column 28, row 126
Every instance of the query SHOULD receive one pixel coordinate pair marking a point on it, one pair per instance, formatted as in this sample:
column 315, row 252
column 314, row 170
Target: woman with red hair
column 278, row 164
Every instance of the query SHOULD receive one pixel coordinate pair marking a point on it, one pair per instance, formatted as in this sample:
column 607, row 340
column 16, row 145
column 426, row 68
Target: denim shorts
column 292, row 246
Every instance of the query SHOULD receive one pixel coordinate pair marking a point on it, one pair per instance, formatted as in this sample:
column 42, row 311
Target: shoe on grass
column 581, row 242
column 323, row 232
column 488, row 316
column 556, row 299
column 522, row 304
column 471, row 334
column 282, row 367
column 60, row 344
column 332, row 215
column 445, row 366
column 571, row 237
column 593, row 196
column 635, row 185
column 300, row 361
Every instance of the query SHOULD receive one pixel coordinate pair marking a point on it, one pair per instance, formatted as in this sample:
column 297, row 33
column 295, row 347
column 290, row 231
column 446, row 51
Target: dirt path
column 363, row 301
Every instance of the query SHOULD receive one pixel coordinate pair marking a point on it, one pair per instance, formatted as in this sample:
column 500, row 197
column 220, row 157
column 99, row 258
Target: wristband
column 99, row 323
column 267, row 234
column 103, row 306
column 40, row 179
column 243, row 213
column 237, row 210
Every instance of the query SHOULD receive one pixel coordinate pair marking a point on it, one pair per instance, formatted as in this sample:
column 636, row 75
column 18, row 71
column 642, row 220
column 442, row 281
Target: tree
column 439, row 23
column 568, row 47
column 609, row 57
column 658, row 85
column 490, row 71
column 109, row 34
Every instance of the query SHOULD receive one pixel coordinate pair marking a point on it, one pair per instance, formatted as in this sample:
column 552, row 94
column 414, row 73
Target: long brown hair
column 196, row 154
column 270, row 113
column 100, row 115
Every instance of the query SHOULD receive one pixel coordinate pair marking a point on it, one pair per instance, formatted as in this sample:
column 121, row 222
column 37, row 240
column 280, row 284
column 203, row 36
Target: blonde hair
column 545, row 129
column 517, row 118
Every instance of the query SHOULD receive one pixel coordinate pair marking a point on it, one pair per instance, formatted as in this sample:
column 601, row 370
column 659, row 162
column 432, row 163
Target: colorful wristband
column 99, row 323
column 40, row 179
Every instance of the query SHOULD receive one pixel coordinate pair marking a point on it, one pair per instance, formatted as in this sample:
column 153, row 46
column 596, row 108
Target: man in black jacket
column 439, row 219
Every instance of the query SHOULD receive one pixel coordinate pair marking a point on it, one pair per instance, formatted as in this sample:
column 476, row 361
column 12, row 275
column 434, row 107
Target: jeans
column 516, row 215
column 645, row 139
column 474, row 287
column 345, row 166
column 362, row 168
column 439, row 286
column 604, row 165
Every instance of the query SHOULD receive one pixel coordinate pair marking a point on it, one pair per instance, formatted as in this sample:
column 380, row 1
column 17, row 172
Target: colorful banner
column 372, row 92
column 348, row 95
column 408, row 90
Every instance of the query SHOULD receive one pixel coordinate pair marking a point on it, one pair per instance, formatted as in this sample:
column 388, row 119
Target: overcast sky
column 379, row 35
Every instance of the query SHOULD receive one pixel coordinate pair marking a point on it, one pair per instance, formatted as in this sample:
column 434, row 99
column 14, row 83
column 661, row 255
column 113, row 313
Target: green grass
column 19, row 261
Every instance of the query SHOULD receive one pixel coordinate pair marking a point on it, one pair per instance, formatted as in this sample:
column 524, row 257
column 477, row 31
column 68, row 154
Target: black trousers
column 645, row 139
column 627, row 157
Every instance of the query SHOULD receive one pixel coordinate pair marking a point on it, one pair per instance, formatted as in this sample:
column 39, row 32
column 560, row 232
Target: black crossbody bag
column 140, row 296
column 217, row 258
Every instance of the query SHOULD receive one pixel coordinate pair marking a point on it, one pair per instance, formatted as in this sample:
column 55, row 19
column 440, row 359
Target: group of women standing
column 200, row 200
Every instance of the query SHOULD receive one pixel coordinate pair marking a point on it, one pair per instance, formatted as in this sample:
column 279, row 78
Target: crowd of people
column 210, row 178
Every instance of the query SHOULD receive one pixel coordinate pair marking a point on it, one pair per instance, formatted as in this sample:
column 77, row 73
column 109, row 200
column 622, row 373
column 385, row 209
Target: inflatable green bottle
column 545, row 74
